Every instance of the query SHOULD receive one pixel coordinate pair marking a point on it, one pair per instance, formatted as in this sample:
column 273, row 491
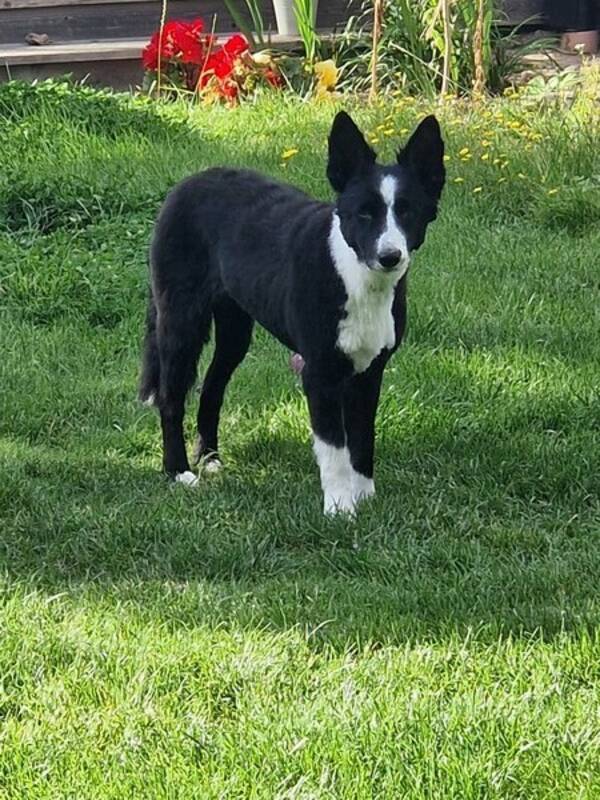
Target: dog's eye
column 401, row 206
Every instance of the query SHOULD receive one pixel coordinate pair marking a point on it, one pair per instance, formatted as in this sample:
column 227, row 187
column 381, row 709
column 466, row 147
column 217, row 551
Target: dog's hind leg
column 183, row 326
column 233, row 333
column 150, row 378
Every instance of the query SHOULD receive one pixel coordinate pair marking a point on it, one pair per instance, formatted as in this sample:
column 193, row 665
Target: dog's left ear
column 424, row 153
column 349, row 153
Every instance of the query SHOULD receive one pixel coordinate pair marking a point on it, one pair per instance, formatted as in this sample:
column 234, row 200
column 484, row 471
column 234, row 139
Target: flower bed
column 182, row 56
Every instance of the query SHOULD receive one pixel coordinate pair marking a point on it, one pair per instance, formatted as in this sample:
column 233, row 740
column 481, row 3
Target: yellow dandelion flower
column 404, row 130
column 485, row 143
column 464, row 151
column 485, row 157
column 502, row 180
column 552, row 192
column 374, row 140
column 477, row 189
column 388, row 132
column 520, row 175
column 459, row 180
column 289, row 153
column 447, row 158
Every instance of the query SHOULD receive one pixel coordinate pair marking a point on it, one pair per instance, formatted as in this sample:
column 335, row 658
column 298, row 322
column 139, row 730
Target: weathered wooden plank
column 107, row 19
column 118, row 74
column 96, row 21
column 108, row 50
column 7, row 5
column 65, row 53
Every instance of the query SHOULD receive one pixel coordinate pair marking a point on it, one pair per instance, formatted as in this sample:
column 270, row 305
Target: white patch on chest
column 368, row 325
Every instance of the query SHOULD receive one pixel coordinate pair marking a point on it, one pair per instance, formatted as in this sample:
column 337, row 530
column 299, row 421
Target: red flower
column 221, row 61
column 150, row 55
column 235, row 46
column 229, row 89
column 179, row 39
column 221, row 64
column 273, row 78
column 196, row 27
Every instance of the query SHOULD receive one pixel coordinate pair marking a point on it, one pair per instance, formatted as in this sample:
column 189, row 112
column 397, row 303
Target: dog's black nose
column 390, row 259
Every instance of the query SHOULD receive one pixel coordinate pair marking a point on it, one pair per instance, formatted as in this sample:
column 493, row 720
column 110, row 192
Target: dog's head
column 384, row 210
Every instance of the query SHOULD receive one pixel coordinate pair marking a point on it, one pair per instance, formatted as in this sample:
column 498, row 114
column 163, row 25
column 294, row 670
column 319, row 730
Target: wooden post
column 377, row 22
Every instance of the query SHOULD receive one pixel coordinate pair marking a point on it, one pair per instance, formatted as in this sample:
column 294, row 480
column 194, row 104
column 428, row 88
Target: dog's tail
column 150, row 377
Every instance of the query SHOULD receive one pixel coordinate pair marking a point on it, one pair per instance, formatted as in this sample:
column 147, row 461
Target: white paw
column 339, row 503
column 212, row 467
column 362, row 487
column 149, row 401
column 188, row 478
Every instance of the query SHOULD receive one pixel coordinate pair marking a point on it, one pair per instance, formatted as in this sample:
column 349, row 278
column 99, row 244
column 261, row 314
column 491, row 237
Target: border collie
column 232, row 247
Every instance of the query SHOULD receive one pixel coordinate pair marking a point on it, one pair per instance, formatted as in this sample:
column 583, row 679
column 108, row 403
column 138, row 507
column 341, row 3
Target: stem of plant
column 479, row 83
column 377, row 23
column 447, row 48
column 163, row 19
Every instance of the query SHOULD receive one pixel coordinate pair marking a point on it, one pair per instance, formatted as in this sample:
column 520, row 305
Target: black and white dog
column 328, row 281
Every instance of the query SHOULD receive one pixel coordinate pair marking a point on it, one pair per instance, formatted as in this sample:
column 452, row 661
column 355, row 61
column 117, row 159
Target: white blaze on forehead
column 392, row 239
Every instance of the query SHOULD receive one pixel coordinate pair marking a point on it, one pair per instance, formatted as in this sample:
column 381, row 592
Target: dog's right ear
column 349, row 153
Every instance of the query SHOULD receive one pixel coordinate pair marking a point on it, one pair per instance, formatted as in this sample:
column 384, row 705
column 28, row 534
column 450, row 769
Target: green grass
column 230, row 642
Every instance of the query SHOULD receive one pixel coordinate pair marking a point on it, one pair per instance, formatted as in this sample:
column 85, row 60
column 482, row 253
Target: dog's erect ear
column 348, row 152
column 424, row 153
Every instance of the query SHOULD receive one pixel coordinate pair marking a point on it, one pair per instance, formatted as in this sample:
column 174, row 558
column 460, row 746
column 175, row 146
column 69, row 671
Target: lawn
column 230, row 642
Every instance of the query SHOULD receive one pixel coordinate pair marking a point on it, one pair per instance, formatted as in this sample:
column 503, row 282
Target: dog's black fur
column 232, row 247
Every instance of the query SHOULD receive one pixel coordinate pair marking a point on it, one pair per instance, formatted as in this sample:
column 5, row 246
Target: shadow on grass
column 474, row 528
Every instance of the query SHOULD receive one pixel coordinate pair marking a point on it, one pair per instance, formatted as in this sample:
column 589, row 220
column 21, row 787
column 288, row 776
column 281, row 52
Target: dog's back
column 239, row 233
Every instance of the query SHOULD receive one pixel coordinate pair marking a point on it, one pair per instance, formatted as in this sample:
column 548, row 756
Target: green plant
column 255, row 32
column 554, row 86
column 416, row 47
column 305, row 13
column 508, row 52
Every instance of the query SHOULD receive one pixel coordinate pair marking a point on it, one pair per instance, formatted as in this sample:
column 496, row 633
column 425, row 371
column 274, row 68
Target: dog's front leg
column 361, row 398
column 325, row 403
